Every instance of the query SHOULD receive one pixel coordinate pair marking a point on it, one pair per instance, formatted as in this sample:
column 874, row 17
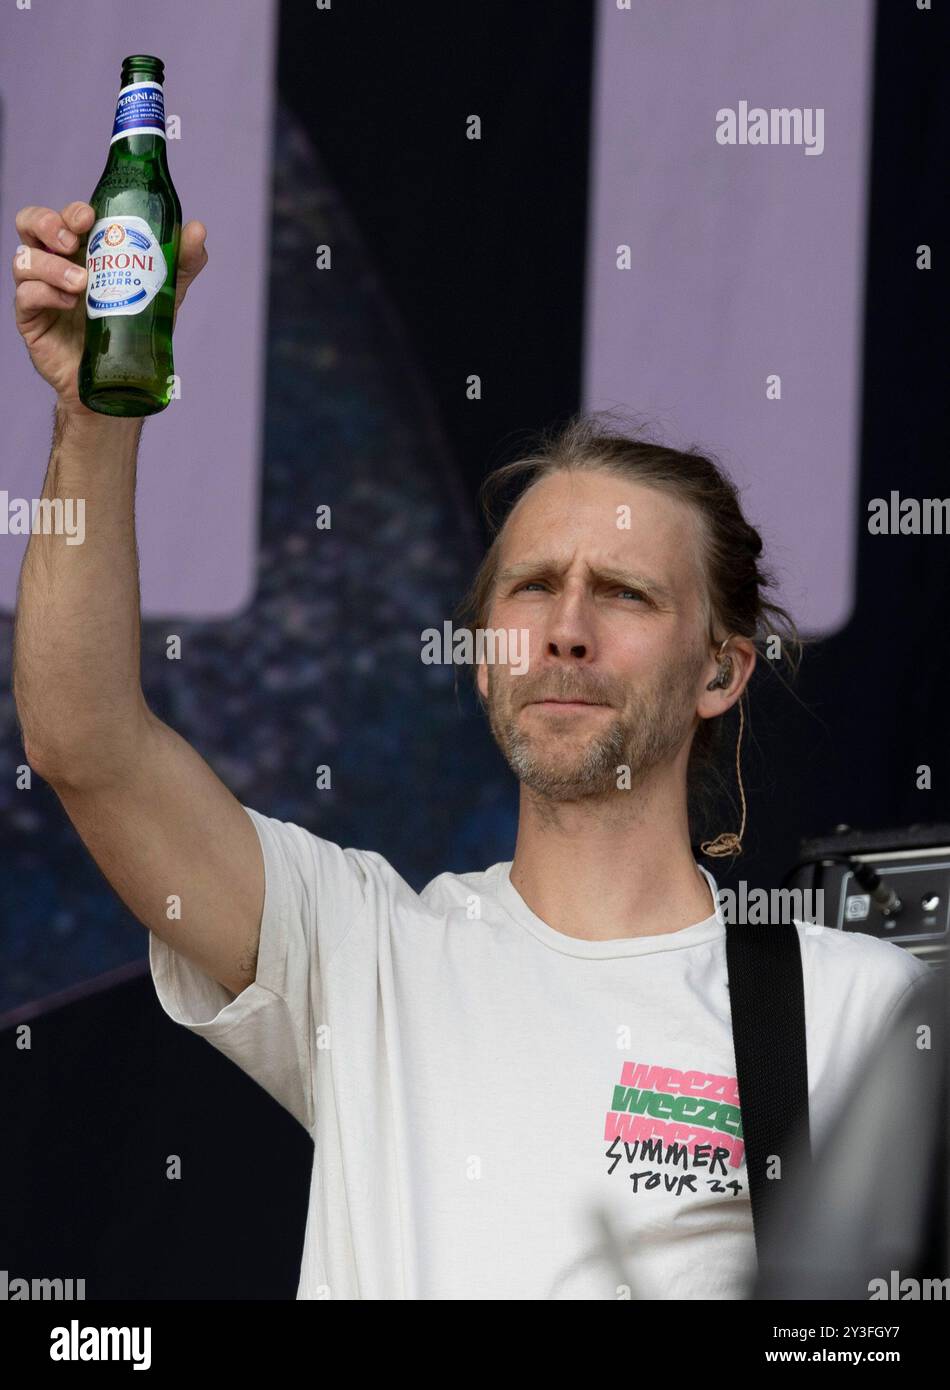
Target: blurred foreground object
column 875, row 1211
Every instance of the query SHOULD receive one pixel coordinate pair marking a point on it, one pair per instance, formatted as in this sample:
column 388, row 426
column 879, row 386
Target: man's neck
column 605, row 870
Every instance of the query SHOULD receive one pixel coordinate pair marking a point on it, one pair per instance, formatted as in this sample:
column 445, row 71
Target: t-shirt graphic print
column 674, row 1129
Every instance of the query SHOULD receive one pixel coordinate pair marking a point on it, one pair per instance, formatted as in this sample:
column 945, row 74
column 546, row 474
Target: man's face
column 600, row 576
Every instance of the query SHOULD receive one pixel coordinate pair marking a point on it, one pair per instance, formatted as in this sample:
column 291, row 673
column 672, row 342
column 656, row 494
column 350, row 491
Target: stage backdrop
column 737, row 319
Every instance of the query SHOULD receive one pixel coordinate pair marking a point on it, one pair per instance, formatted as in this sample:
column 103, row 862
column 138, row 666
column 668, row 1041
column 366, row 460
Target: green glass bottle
column 131, row 256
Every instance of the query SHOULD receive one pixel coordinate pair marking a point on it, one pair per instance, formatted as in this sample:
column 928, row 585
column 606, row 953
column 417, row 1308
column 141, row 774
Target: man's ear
column 741, row 656
column 481, row 677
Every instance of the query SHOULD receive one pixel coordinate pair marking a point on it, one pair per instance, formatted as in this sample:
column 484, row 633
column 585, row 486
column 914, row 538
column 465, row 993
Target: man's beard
column 571, row 765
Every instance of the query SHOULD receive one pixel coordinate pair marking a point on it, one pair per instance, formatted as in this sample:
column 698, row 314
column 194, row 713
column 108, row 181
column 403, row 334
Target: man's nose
column 566, row 648
column 569, row 634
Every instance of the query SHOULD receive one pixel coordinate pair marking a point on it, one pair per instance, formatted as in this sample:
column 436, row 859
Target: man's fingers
column 192, row 255
column 32, row 263
column 60, row 233
column 32, row 296
column 49, row 228
column 77, row 219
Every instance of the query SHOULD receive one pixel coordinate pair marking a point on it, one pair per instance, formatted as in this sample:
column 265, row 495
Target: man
column 519, row 1083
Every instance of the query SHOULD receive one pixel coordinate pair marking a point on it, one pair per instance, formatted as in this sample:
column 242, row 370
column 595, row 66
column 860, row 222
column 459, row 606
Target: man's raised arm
column 156, row 819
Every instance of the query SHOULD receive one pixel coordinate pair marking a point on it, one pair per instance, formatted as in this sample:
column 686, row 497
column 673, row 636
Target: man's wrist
column 76, row 420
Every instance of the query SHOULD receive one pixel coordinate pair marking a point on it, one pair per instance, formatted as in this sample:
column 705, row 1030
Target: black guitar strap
column 767, row 1000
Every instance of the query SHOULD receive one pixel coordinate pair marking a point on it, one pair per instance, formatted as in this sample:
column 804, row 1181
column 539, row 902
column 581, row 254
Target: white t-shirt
column 501, row 1111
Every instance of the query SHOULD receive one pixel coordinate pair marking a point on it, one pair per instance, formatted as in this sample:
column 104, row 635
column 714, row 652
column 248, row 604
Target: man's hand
column 50, row 293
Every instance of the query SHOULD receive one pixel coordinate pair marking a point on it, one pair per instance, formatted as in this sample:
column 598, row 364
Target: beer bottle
column 131, row 256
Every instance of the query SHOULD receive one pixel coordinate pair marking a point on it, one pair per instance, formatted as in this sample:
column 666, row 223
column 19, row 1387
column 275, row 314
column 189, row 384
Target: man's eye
column 539, row 584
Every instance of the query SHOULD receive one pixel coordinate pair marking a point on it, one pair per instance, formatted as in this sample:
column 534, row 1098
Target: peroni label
column 139, row 110
column 125, row 265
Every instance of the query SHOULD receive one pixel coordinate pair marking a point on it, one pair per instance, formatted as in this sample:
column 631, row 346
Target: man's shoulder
column 320, row 863
column 841, row 965
column 451, row 890
column 853, row 948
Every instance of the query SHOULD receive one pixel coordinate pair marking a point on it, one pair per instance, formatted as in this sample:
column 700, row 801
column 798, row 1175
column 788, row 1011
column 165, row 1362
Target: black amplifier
column 888, row 883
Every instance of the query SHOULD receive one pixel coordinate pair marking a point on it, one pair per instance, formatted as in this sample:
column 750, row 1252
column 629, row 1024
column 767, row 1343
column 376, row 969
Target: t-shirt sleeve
column 313, row 891
column 855, row 986
column 904, row 985
column 881, row 978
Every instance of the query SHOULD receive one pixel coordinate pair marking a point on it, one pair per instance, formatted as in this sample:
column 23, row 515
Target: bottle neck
column 140, row 148
column 139, row 126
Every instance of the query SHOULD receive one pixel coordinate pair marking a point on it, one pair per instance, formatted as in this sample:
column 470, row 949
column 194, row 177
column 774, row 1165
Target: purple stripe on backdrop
column 199, row 476
column 747, row 260
column 110, row 979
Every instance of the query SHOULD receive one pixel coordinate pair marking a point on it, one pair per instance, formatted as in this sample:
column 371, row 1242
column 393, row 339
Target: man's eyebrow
column 547, row 569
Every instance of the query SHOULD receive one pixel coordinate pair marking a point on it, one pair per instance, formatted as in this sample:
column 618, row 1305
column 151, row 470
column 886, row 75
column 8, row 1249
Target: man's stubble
column 588, row 762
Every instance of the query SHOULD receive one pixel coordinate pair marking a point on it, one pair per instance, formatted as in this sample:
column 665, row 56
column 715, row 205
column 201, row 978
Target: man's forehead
column 599, row 502
column 613, row 526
